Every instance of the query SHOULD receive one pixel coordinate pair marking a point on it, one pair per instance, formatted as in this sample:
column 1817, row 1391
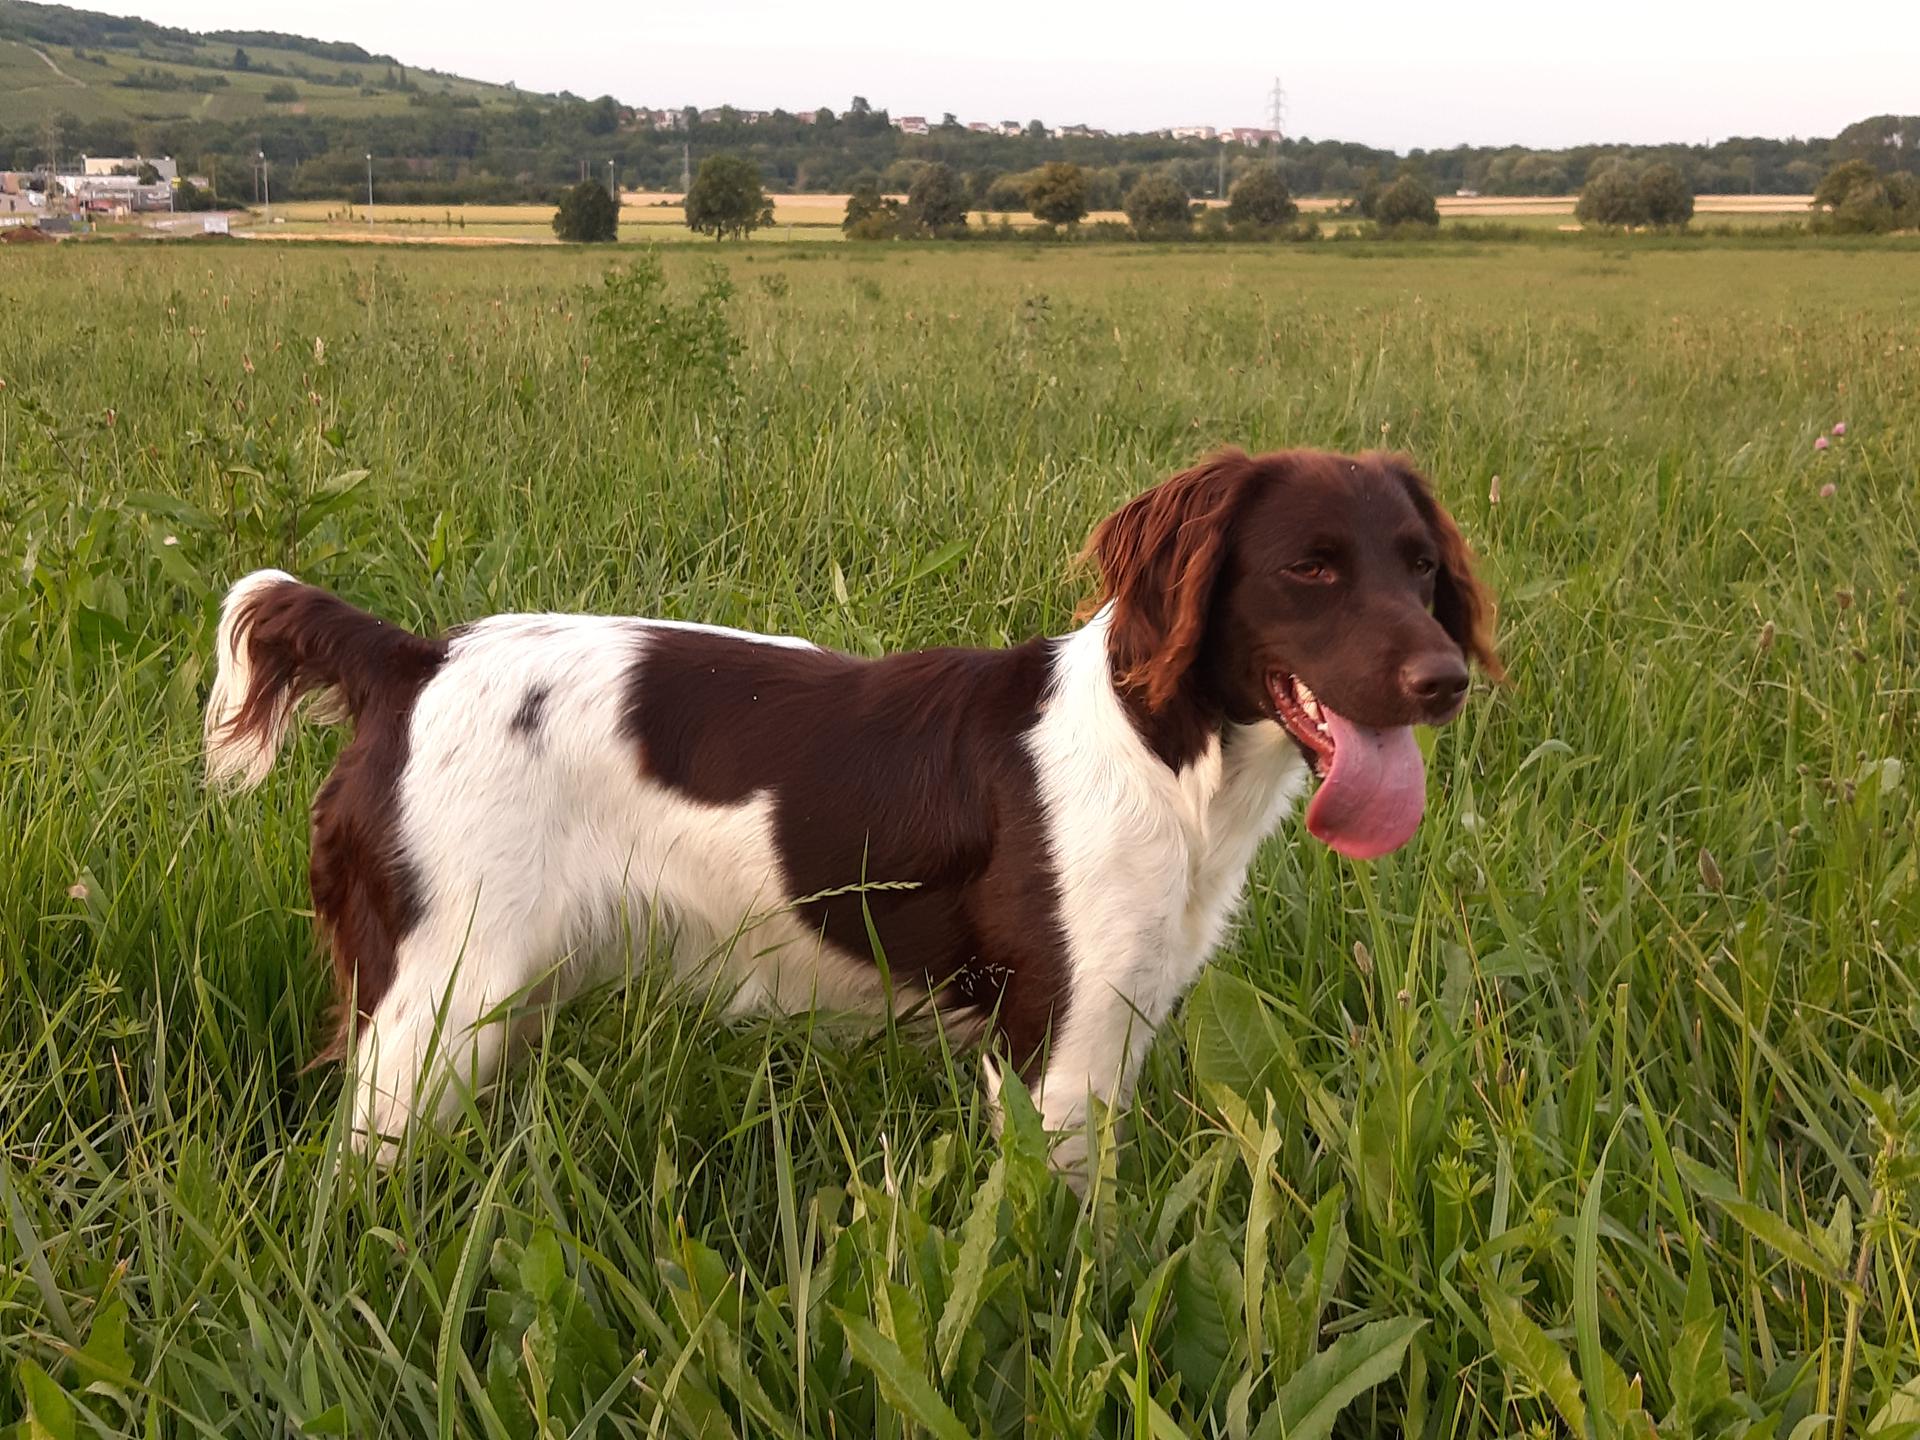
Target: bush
column 1859, row 200
column 1406, row 202
column 645, row 339
column 587, row 215
column 1260, row 200
column 1158, row 206
column 1058, row 194
column 281, row 93
column 1008, row 192
column 937, row 199
column 1611, row 198
column 1665, row 196
column 726, row 199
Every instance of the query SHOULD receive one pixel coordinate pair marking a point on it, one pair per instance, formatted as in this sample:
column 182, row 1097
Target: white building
column 103, row 166
column 911, row 124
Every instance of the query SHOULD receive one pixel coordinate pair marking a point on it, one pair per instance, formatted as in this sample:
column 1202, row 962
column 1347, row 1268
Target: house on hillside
column 1195, row 132
column 911, row 124
column 981, row 127
column 1012, row 128
column 1248, row 135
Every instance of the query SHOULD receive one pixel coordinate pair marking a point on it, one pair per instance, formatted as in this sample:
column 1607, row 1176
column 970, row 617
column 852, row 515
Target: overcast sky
column 1398, row 73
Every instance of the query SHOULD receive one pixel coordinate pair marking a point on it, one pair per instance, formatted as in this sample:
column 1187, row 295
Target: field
column 653, row 215
column 1595, row 1109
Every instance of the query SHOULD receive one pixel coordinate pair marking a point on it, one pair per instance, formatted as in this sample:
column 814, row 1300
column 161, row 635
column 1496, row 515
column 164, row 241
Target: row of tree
column 431, row 146
column 728, row 199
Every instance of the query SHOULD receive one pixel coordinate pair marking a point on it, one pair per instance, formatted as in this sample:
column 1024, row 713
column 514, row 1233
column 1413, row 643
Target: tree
column 587, row 214
column 726, row 199
column 1058, row 194
column 1260, row 199
column 241, row 61
column 148, row 173
column 870, row 214
column 1157, row 205
column 1407, row 201
column 1841, row 181
column 937, row 199
column 1611, row 198
column 189, row 196
column 1665, row 195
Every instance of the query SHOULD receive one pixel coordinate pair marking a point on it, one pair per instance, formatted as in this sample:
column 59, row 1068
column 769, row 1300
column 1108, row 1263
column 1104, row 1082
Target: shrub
column 1158, row 205
column 587, row 214
column 1611, row 197
column 1407, row 202
column 937, row 199
column 1058, row 194
column 1260, row 199
column 1665, row 195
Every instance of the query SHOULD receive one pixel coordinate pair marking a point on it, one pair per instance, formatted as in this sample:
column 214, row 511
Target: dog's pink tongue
column 1371, row 799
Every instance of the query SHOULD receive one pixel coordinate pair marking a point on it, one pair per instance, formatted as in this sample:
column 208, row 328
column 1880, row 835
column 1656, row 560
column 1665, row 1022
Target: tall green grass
column 1593, row 1110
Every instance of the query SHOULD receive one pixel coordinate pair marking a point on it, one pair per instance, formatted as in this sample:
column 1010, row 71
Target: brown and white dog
column 1049, row 840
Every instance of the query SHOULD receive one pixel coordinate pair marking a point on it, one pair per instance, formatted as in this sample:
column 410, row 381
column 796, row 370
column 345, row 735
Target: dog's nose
column 1435, row 682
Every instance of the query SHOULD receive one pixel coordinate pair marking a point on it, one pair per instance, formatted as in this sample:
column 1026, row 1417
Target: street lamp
column 266, row 181
column 369, row 187
column 610, row 190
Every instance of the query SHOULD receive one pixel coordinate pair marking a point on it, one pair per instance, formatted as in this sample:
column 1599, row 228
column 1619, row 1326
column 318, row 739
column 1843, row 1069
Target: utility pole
column 266, row 185
column 1277, row 110
column 612, row 193
column 369, row 187
column 686, row 167
column 1220, row 183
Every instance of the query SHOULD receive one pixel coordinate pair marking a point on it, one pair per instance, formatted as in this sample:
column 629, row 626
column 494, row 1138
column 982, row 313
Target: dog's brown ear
column 1461, row 603
column 1159, row 556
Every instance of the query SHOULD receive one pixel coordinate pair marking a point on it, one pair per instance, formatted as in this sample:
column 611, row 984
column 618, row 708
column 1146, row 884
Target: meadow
column 1594, row 1111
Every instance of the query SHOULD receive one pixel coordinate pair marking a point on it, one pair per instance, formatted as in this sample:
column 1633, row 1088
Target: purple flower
column 1841, row 428
column 1821, row 443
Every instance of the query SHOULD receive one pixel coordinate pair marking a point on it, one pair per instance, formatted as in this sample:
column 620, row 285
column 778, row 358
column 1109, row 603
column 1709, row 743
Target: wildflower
column 1840, row 427
column 1828, row 490
column 170, row 540
column 78, row 890
column 1766, row 636
column 246, row 363
column 319, row 351
column 1821, row 443
column 1844, row 598
column 1362, row 958
column 1493, row 491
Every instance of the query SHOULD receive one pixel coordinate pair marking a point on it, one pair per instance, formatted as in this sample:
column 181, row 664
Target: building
column 1012, row 128
column 981, row 127
column 113, row 194
column 1195, row 132
column 104, row 166
column 911, row 124
column 1247, row 135
column 19, row 207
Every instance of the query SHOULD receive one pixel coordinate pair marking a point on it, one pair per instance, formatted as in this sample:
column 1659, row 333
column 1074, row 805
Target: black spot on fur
column 528, row 719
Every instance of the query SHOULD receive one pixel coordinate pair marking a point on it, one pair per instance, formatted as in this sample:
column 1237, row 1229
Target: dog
column 1046, row 842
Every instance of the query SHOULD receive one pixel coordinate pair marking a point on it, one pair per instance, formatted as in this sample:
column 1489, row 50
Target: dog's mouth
column 1303, row 717
column 1373, row 783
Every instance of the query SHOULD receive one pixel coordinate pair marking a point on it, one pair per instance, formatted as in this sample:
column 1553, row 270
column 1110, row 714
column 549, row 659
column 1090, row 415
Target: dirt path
column 50, row 65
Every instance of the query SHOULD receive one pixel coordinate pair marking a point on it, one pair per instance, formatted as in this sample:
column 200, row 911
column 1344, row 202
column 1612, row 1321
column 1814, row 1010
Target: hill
column 97, row 67
column 106, row 85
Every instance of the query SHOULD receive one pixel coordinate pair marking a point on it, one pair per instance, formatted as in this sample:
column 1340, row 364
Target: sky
column 1394, row 73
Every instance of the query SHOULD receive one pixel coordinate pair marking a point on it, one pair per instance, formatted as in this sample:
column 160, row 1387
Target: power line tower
column 1277, row 109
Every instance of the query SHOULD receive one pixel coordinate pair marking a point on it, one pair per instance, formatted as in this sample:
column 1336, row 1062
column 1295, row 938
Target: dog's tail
column 281, row 641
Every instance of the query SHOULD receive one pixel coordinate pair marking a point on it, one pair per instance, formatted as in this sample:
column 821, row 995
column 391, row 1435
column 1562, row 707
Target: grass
column 1593, row 1109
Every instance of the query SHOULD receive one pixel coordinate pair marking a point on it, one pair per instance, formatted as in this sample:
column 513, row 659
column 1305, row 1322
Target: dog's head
column 1328, row 594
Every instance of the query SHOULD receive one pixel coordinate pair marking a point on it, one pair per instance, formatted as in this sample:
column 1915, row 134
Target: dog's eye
column 1424, row 566
column 1316, row 572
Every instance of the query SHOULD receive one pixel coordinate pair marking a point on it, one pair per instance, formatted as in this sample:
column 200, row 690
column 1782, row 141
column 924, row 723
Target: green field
column 1595, row 1108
